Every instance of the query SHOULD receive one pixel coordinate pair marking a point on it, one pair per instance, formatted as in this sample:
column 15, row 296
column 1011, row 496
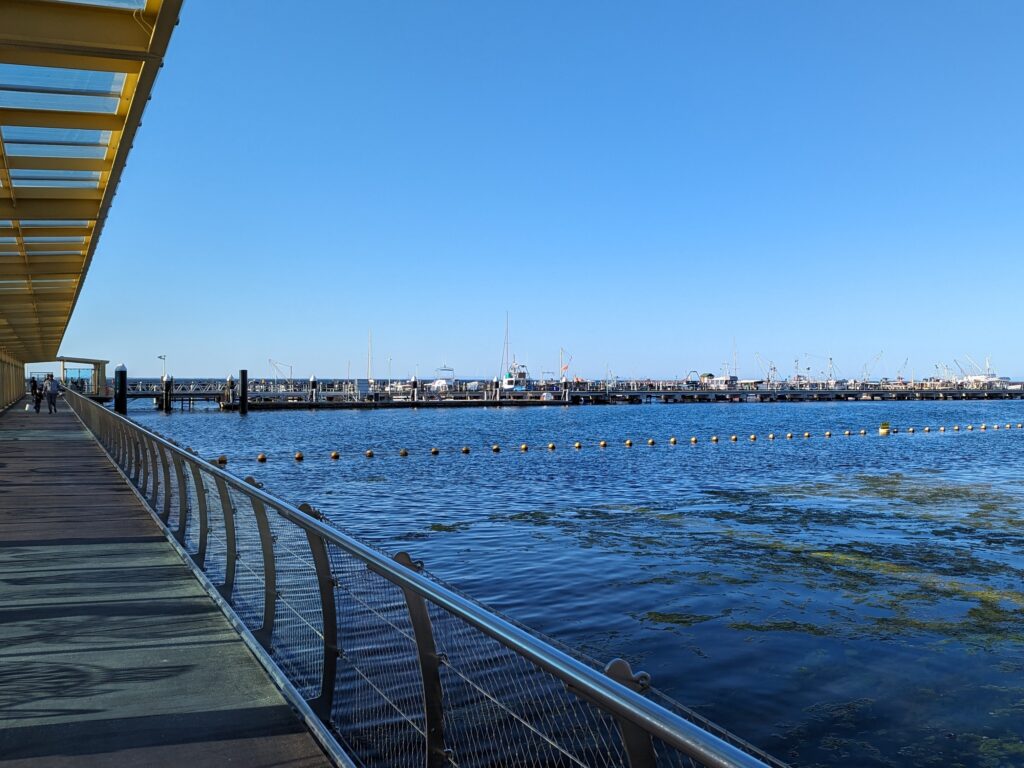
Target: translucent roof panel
column 79, row 136
column 134, row 5
column 62, row 183
column 52, row 239
column 32, row 173
column 58, row 80
column 55, row 150
column 52, row 223
column 62, row 102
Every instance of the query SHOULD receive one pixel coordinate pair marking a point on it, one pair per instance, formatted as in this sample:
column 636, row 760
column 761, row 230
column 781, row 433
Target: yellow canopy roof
column 75, row 76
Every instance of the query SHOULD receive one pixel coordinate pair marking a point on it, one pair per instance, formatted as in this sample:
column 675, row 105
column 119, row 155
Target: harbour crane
column 869, row 366
column 899, row 373
column 278, row 368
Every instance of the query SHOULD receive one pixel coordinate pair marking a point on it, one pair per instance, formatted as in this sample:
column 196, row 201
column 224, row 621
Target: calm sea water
column 853, row 601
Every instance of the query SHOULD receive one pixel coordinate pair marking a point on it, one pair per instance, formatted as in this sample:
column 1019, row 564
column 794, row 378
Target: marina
column 243, row 394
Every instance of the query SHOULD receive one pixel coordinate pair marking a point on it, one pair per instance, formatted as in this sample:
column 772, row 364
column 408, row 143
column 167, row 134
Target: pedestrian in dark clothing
column 51, row 388
column 37, row 394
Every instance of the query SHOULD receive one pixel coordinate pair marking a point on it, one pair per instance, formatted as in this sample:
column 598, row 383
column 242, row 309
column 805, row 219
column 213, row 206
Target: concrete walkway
column 111, row 654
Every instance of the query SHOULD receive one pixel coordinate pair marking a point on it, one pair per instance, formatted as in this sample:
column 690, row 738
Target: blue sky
column 643, row 184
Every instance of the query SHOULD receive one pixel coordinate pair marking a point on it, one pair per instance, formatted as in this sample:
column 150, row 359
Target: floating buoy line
column 884, row 430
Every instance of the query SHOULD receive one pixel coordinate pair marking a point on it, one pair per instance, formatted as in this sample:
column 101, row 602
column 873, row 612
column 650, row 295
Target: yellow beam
column 74, row 28
column 45, row 232
column 57, row 163
column 48, row 210
column 52, row 118
column 42, row 57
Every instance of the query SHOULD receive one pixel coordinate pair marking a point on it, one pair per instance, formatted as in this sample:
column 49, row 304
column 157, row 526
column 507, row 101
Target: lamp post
column 163, row 359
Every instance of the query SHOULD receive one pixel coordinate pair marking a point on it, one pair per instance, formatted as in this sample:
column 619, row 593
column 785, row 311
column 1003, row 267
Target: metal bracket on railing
column 326, row 582
column 265, row 634
column 231, row 555
column 430, row 664
column 635, row 740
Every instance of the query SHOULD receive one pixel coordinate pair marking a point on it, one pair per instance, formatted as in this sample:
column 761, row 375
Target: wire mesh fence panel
column 171, row 491
column 215, row 566
column 298, row 643
column 190, row 541
column 501, row 709
column 378, row 709
column 247, row 598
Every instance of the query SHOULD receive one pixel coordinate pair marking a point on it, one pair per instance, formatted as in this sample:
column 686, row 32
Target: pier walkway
column 110, row 651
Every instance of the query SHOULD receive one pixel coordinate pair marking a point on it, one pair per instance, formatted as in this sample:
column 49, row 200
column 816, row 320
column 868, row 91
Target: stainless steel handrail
column 582, row 680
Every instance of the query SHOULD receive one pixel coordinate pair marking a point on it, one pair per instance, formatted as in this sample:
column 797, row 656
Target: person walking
column 37, row 394
column 51, row 388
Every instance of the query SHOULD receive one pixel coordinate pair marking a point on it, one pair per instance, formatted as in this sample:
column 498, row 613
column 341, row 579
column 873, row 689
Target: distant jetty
column 370, row 395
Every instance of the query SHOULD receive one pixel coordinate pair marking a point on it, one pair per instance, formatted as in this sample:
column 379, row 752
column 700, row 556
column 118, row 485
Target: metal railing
column 403, row 669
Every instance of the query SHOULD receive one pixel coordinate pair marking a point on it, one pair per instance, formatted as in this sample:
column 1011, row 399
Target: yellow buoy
column 496, row 448
column 1020, row 426
column 995, row 426
column 884, row 428
column 789, row 435
column 650, row 441
column 603, row 444
column 434, row 451
column 368, row 454
column 771, row 435
column 753, row 438
column 465, row 449
column 672, row 441
column 828, row 434
column 629, row 443
column 847, row 433
column 1009, row 427
column 299, row 456
column 714, row 438
column 524, row 447
column 261, row 458
column 403, row 452
column 551, row 446
column 942, row 429
column 733, row 438
column 970, row 427
column 984, row 427
column 806, row 435
column 927, row 429
column 910, row 430
column 335, row 455
column 863, row 432
column 222, row 459
column 956, row 427
column 693, row 440
column 577, row 445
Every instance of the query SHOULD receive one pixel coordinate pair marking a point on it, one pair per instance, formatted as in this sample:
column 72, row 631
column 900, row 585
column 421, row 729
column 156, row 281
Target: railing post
column 327, row 583
column 430, row 664
column 199, row 558
column 231, row 555
column 165, row 515
column 635, row 740
column 141, row 462
column 183, row 507
column 265, row 634
column 154, row 472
